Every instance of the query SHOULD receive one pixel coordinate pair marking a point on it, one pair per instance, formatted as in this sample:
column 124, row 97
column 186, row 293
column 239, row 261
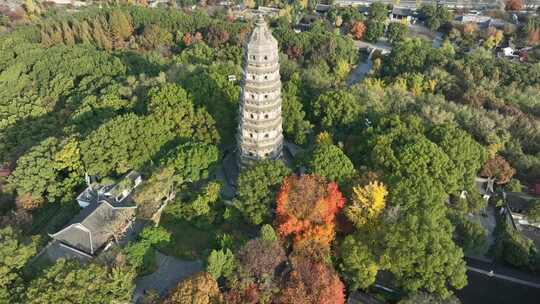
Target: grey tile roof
column 402, row 11
column 90, row 229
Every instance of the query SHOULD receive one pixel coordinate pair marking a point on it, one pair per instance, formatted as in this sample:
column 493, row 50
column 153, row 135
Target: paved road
column 503, row 272
column 170, row 271
column 503, row 277
column 360, row 71
column 382, row 46
column 485, row 289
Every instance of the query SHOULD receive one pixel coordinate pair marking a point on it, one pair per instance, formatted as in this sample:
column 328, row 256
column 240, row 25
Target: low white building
column 518, row 204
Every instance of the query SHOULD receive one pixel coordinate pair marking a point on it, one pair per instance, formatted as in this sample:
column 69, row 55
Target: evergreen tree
column 120, row 27
column 100, row 34
column 67, row 33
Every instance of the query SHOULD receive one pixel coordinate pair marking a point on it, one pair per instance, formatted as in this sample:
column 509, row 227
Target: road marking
column 504, row 277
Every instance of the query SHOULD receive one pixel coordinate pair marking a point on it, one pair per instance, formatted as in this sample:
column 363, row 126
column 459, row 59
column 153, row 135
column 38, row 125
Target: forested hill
column 108, row 90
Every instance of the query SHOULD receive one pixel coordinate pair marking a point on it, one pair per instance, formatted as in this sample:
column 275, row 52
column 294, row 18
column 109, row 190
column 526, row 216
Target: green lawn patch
column 190, row 242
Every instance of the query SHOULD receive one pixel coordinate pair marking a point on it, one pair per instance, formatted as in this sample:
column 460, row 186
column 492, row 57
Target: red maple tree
column 358, row 29
column 306, row 209
column 311, row 282
column 514, row 5
column 498, row 168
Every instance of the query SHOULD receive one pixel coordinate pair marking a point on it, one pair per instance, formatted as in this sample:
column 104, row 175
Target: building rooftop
column 517, row 202
column 261, row 37
column 89, row 230
column 402, row 11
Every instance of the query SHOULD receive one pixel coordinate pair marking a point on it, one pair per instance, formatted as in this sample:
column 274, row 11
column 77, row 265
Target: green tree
column 154, row 37
column 416, row 243
column 330, row 162
column 397, row 31
column 375, row 30
column 267, row 233
column 71, row 282
column 100, row 33
column 50, row 170
column 533, row 214
column 471, row 236
column 358, row 264
column 418, row 248
column 220, row 263
column 193, row 161
column 294, row 123
column 378, row 11
column 120, row 27
column 200, row 207
column 467, row 155
column 15, row 251
column 337, row 110
column 141, row 253
column 435, row 15
column 514, row 185
column 408, row 56
column 257, row 188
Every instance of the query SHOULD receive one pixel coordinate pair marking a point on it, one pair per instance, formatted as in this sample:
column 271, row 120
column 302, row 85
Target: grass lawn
column 192, row 243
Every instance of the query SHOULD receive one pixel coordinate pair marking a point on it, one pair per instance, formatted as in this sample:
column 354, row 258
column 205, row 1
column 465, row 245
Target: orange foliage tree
column 533, row 36
column 498, row 168
column 311, row 282
column 514, row 5
column 187, row 39
column 306, row 209
column 358, row 29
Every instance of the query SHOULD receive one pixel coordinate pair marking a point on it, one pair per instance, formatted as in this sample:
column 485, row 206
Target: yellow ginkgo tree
column 367, row 203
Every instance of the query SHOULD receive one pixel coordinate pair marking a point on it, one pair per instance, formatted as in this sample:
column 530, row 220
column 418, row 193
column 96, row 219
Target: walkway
column 381, row 46
column 170, row 271
column 491, row 273
column 361, row 70
column 504, row 273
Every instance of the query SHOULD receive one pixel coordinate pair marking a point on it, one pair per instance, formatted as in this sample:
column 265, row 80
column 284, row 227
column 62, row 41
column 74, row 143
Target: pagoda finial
column 260, row 19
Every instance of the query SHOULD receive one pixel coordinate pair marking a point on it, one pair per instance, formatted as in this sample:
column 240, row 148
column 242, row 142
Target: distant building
column 400, row 13
column 269, row 11
column 116, row 192
column 518, row 205
column 323, row 8
column 306, row 22
column 481, row 21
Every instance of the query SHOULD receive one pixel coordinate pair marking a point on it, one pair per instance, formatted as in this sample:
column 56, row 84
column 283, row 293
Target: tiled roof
column 90, row 229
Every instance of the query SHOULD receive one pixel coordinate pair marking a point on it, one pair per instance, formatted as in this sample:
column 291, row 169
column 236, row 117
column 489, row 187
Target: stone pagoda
column 259, row 130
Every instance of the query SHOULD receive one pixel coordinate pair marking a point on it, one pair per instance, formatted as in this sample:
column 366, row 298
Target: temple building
column 260, row 124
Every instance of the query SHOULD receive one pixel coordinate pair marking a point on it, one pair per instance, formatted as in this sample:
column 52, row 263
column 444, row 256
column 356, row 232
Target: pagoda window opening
column 265, row 57
column 265, row 77
column 251, row 135
column 266, row 116
column 265, row 96
column 266, row 135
